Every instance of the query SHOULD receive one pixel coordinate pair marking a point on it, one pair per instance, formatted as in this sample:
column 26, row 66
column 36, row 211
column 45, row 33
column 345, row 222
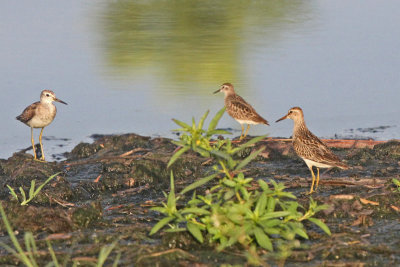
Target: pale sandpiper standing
column 308, row 147
column 39, row 115
column 239, row 109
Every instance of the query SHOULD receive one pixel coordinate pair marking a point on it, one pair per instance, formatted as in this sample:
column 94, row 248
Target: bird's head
column 294, row 113
column 48, row 96
column 226, row 88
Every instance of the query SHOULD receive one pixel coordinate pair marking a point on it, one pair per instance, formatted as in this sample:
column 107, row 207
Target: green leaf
column 175, row 230
column 177, row 155
column 198, row 211
column 52, row 254
column 19, row 252
column 214, row 122
column 195, row 231
column 179, row 143
column 286, row 194
column 262, row 239
column 182, row 124
column 248, row 159
column 261, row 204
column 270, row 223
column 301, row 233
column 271, row 204
column 321, row 225
column 198, row 183
column 160, row 209
column 264, row 186
column 272, row 231
column 229, row 194
column 201, row 122
column 235, row 217
column 245, row 193
column 235, row 234
column 218, row 131
column 171, row 201
column 30, row 246
column 32, row 189
column 275, row 214
column 229, row 183
column 193, row 124
column 105, row 252
column 249, row 143
column 221, row 154
column 12, row 192
column 160, row 225
column 42, row 185
column 23, row 195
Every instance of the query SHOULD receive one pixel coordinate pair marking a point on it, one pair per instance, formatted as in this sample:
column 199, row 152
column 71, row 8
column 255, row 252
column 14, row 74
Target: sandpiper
column 39, row 115
column 239, row 109
column 308, row 147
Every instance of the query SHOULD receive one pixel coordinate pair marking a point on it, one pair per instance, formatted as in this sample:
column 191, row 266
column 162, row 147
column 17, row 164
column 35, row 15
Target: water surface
column 131, row 66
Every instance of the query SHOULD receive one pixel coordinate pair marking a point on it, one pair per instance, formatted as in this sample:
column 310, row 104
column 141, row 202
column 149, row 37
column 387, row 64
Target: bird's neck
column 229, row 95
column 299, row 127
column 46, row 102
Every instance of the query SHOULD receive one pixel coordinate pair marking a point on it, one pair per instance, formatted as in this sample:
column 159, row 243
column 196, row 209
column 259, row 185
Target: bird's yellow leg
column 313, row 181
column 247, row 130
column 241, row 134
column 33, row 144
column 316, row 186
column 41, row 144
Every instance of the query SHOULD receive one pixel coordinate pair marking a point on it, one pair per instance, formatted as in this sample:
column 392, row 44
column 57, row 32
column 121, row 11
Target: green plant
column 105, row 252
column 102, row 257
column 236, row 210
column 32, row 191
column 396, row 183
column 28, row 257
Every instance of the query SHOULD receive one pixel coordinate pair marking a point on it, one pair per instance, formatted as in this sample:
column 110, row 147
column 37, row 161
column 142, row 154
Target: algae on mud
column 117, row 205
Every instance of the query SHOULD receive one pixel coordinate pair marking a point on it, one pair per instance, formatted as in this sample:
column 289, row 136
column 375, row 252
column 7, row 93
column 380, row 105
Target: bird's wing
column 311, row 147
column 28, row 113
column 240, row 109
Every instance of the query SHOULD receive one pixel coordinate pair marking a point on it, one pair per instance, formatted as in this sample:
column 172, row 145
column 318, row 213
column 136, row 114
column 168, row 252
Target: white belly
column 246, row 122
column 36, row 122
column 311, row 163
column 44, row 115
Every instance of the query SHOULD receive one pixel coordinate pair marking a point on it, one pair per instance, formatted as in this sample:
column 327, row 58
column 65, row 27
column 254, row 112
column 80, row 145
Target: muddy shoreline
column 105, row 190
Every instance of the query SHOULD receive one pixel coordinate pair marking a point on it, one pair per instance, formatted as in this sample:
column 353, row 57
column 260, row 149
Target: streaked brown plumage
column 39, row 115
column 239, row 109
column 309, row 147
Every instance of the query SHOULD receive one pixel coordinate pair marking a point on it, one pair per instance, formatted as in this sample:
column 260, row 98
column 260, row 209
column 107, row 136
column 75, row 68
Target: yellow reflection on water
column 189, row 41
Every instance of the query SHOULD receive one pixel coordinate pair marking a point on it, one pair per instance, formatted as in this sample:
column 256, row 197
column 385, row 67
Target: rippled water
column 131, row 66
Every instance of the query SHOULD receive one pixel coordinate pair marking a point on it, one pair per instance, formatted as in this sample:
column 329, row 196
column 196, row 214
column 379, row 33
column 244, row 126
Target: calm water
column 131, row 66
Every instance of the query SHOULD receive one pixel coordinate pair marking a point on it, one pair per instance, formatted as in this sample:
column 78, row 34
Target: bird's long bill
column 58, row 100
column 281, row 119
column 219, row 90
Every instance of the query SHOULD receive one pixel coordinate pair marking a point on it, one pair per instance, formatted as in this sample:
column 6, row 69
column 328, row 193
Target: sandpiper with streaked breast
column 239, row 109
column 309, row 147
column 39, row 115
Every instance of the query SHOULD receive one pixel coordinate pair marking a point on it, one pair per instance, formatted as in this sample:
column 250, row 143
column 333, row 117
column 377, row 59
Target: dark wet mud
column 105, row 190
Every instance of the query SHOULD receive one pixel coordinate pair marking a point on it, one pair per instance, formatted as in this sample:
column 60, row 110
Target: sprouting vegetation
column 33, row 191
column 28, row 256
column 235, row 209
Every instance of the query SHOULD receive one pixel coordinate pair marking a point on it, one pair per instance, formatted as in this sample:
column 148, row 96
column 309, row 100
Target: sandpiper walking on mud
column 39, row 115
column 311, row 149
column 239, row 109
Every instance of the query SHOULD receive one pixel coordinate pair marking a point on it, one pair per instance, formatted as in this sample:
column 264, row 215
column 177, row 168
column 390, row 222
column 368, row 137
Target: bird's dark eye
column 290, row 112
column 47, row 95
